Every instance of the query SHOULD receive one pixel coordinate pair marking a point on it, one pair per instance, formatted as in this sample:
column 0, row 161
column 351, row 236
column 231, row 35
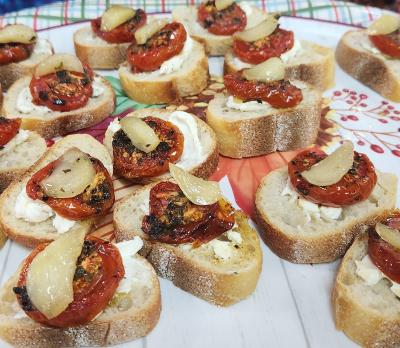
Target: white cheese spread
column 310, row 209
column 42, row 46
column 234, row 103
column 292, row 53
column 247, row 8
column 370, row 48
column 367, row 271
column 36, row 211
column 98, row 87
column 19, row 138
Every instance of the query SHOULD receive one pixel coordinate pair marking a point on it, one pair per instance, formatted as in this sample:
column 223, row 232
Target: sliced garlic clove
column 385, row 24
column 261, row 30
column 59, row 62
column 72, row 175
column 222, row 4
column 17, row 33
column 140, row 133
column 51, row 273
column 388, row 234
column 271, row 70
column 197, row 190
column 115, row 16
column 147, row 31
column 332, row 168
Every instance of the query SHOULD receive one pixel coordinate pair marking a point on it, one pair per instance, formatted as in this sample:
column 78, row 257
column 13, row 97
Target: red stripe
column 35, row 17
column 335, row 10
column 66, row 12
column 293, row 5
column 263, row 4
column 370, row 16
column 1, row 21
column 162, row 6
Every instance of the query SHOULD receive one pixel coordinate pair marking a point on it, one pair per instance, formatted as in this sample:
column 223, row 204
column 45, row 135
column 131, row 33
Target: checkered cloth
column 61, row 13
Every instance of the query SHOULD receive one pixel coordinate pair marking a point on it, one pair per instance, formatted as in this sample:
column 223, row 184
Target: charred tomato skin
column 15, row 52
column 355, row 186
column 279, row 94
column 225, row 22
column 8, row 129
column 92, row 291
column 165, row 44
column 124, row 33
column 388, row 44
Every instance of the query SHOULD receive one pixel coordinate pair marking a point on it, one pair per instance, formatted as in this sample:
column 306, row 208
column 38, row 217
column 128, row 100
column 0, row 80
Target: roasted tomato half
column 15, row 52
column 124, row 32
column 279, row 42
column 174, row 219
column 98, row 272
column 355, row 186
column 63, row 90
column 279, row 94
column 387, row 44
column 96, row 200
column 165, row 44
column 224, row 22
column 385, row 256
column 8, row 129
column 132, row 163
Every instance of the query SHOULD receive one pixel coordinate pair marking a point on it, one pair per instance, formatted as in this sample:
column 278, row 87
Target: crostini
column 163, row 63
column 144, row 142
column 65, row 190
column 19, row 149
column 304, row 60
column 311, row 211
column 79, row 292
column 213, row 22
column 21, row 50
column 367, row 289
column 62, row 96
column 372, row 56
column 263, row 112
column 193, row 237
column 103, row 45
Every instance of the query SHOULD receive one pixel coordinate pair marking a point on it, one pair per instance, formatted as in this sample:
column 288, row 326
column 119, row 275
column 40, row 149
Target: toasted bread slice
column 253, row 133
column 358, row 57
column 313, row 64
column 9, row 73
column 203, row 167
column 55, row 123
column 99, row 54
column 30, row 234
column 112, row 326
column 288, row 233
column 195, row 270
column 19, row 158
column 215, row 45
column 153, row 88
column 368, row 314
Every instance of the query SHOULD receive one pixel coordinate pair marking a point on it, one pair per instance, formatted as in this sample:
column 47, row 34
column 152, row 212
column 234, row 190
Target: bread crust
column 105, row 330
column 169, row 87
column 203, row 279
column 365, row 325
column 278, row 130
column 372, row 70
column 319, row 73
column 63, row 123
column 307, row 248
column 99, row 56
column 9, row 73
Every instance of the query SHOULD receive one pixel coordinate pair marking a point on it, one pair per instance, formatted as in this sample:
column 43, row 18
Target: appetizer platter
column 215, row 176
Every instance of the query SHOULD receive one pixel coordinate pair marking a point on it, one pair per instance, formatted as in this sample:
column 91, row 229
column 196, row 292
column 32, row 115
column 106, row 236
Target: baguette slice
column 287, row 232
column 99, row 54
column 253, row 133
column 153, row 88
column 369, row 315
column 31, row 234
column 111, row 327
column 56, row 123
column 314, row 64
column 207, row 137
column 16, row 161
column 195, row 270
column 9, row 73
column 357, row 56
column 215, row 45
